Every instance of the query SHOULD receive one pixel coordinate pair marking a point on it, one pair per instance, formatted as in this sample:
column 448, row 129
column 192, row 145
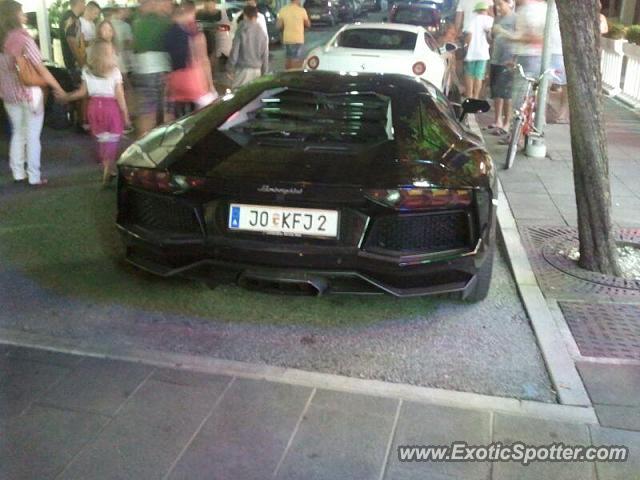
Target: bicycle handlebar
column 532, row 79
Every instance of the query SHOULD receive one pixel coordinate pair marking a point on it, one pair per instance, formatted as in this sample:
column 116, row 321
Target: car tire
column 480, row 290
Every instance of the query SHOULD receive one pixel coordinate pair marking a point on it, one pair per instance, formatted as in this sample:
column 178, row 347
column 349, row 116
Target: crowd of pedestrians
column 501, row 35
column 161, row 64
column 150, row 68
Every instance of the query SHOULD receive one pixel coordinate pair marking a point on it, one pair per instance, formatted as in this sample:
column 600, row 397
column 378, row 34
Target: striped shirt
column 17, row 42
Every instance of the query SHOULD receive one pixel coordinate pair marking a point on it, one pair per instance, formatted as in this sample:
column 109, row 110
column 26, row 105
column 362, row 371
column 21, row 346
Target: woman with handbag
column 22, row 76
column 190, row 83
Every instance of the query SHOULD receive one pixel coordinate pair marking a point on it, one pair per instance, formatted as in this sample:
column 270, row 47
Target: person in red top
column 24, row 105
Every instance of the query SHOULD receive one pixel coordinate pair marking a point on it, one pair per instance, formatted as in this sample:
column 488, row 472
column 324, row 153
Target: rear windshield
column 303, row 117
column 416, row 16
column 377, row 38
column 315, row 3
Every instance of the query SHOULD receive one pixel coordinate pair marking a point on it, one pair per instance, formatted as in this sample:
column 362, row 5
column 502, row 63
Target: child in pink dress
column 107, row 111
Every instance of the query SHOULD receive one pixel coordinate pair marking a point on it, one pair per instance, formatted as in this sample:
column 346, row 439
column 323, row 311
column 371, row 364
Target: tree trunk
column 579, row 25
column 636, row 13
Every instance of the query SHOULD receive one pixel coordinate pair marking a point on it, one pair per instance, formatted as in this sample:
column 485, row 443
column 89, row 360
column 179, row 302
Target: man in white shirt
column 477, row 56
column 88, row 22
column 531, row 17
column 262, row 21
column 123, row 37
column 464, row 13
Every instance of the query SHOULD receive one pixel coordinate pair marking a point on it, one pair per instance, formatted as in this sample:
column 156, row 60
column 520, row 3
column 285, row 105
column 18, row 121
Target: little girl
column 107, row 111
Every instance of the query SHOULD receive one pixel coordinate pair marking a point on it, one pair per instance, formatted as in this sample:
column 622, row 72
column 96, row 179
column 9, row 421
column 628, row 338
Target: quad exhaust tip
column 312, row 287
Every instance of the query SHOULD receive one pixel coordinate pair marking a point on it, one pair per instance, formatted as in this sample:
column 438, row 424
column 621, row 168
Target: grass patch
column 65, row 238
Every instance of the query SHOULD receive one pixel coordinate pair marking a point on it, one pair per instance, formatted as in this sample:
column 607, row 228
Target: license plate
column 284, row 220
column 315, row 17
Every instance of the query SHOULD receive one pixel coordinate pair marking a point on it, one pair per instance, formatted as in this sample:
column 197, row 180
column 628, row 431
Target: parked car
column 425, row 15
column 220, row 30
column 383, row 48
column 358, row 10
column 441, row 5
column 316, row 182
column 371, row 5
column 360, row 7
column 271, row 19
column 322, row 11
column 347, row 10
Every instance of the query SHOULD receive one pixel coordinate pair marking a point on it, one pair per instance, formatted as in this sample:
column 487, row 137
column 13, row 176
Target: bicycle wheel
column 516, row 132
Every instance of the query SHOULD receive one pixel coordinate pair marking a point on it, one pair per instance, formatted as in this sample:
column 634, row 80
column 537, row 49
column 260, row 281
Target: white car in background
column 385, row 48
column 222, row 28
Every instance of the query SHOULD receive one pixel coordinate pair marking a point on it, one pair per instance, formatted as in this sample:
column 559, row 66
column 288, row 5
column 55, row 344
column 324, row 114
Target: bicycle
column 523, row 123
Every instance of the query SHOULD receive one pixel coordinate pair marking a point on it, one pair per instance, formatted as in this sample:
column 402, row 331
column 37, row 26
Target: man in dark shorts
column 501, row 71
column 151, row 63
column 292, row 20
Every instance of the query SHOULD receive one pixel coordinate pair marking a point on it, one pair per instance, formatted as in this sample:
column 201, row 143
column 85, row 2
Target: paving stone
column 98, row 385
column 616, row 416
column 509, row 429
column 434, row 425
column 247, row 433
column 39, row 443
column 611, row 384
column 342, row 436
column 527, row 186
column 411, row 473
column 619, row 189
column 23, row 382
column 629, row 470
column 185, row 377
column 148, row 434
column 559, row 186
column 533, row 206
column 45, row 356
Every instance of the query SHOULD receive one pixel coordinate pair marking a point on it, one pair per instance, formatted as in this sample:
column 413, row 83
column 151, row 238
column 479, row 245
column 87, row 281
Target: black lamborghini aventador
column 314, row 182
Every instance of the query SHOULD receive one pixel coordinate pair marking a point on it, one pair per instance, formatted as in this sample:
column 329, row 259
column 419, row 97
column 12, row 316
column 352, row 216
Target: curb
column 560, row 365
column 377, row 388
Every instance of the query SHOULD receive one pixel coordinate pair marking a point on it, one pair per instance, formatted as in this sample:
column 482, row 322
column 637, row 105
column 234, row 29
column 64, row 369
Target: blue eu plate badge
column 235, row 217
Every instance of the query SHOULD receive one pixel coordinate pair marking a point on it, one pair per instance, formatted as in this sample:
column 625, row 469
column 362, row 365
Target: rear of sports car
column 381, row 48
column 303, row 210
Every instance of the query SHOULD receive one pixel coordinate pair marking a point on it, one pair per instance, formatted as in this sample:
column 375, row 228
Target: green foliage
column 56, row 10
column 633, row 34
column 616, row 31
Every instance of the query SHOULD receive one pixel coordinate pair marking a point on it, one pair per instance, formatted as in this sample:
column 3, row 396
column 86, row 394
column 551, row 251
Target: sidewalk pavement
column 599, row 316
column 77, row 417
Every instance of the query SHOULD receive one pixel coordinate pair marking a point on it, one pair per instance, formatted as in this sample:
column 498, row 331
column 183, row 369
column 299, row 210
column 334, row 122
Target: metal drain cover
column 610, row 330
column 561, row 278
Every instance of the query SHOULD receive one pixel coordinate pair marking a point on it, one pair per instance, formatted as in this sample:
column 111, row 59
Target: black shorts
column 501, row 81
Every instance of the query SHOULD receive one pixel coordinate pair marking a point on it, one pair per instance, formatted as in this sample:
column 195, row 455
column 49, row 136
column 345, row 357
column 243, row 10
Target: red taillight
column 158, row 180
column 313, row 62
column 421, row 198
column 419, row 68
